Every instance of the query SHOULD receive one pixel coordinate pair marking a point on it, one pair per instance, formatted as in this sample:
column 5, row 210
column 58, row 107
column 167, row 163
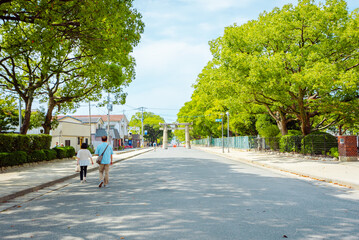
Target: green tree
column 151, row 123
column 53, row 47
column 8, row 114
column 297, row 62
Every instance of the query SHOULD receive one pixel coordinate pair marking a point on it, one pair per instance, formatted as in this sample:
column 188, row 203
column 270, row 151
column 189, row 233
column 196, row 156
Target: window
column 78, row 141
column 67, row 143
column 87, row 141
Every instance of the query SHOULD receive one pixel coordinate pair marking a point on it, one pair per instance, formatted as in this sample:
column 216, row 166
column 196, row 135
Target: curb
column 6, row 198
column 340, row 183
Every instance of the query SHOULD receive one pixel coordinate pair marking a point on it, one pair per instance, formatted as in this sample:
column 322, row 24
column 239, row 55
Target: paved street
column 186, row 194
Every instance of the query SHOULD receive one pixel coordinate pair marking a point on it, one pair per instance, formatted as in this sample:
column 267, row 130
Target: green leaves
column 294, row 62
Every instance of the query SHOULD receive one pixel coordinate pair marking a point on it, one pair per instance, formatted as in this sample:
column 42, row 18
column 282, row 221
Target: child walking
column 83, row 159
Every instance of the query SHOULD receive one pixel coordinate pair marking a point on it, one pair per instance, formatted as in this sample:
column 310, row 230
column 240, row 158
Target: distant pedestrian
column 104, row 166
column 83, row 159
column 56, row 144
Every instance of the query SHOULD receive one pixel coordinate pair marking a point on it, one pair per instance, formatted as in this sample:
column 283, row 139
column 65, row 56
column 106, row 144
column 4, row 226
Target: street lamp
column 227, row 130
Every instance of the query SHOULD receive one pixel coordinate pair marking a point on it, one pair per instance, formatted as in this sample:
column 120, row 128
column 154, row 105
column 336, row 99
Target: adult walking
column 83, row 159
column 104, row 167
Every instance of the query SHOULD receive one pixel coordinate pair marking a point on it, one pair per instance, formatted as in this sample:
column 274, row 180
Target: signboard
column 219, row 120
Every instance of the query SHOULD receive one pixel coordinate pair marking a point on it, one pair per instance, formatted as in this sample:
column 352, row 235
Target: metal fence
column 322, row 144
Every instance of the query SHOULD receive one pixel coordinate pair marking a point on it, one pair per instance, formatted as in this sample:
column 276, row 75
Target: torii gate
column 166, row 128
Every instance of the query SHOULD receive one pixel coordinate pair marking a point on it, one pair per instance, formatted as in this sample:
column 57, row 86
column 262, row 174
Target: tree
column 8, row 114
column 51, row 47
column 151, row 123
column 297, row 62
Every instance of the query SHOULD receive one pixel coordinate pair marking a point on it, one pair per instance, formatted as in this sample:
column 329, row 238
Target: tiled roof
column 100, row 132
column 113, row 118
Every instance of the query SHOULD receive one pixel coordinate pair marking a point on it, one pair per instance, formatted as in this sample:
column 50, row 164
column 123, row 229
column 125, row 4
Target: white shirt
column 84, row 156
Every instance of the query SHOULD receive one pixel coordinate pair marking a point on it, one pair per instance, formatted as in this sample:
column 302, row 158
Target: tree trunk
column 282, row 125
column 48, row 118
column 305, row 125
column 26, row 122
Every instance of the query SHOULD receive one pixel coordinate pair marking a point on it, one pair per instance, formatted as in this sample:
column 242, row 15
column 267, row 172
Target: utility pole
column 222, row 134
column 90, row 142
column 20, row 117
column 109, row 108
column 142, row 142
column 227, row 130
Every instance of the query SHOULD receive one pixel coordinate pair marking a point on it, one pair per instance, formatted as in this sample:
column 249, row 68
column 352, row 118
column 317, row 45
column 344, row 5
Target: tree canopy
column 63, row 52
column 298, row 63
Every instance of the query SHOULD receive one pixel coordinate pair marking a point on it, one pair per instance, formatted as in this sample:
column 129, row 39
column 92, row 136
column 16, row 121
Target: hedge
column 319, row 143
column 70, row 151
column 27, row 143
column 21, row 157
column 51, row 154
column 12, row 159
column 37, row 156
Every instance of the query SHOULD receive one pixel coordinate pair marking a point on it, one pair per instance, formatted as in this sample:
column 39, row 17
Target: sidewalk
column 23, row 180
column 339, row 173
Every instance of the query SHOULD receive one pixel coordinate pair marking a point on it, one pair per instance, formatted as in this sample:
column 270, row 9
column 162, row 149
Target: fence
column 322, row 144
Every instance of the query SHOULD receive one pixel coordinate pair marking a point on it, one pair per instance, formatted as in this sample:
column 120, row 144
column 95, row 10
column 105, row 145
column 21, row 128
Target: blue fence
column 241, row 142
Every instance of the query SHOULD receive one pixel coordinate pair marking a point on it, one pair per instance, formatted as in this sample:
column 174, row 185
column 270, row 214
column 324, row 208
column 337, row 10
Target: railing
column 315, row 145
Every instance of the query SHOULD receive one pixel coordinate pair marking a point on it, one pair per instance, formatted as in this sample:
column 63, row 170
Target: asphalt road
column 186, row 194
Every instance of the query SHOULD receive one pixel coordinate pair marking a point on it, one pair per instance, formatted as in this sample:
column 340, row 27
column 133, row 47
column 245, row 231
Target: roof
column 87, row 119
column 113, row 117
column 114, row 133
column 100, row 132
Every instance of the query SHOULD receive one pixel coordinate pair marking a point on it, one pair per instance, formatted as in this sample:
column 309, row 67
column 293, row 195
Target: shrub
column 291, row 142
column 20, row 156
column 51, row 154
column 7, row 142
column 70, row 151
column 60, row 152
column 12, row 159
column 92, row 151
column 37, row 156
column 318, row 143
column 5, row 159
column 40, row 141
column 27, row 143
column 334, row 152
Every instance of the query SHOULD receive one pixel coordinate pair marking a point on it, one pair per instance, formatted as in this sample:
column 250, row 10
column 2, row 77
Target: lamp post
column 227, row 130
column 222, row 134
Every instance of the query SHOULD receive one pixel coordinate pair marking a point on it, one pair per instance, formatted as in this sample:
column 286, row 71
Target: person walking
column 104, row 166
column 83, row 159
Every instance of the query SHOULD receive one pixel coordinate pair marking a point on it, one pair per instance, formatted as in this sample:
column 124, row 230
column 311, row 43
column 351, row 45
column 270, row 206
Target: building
column 118, row 128
column 70, row 132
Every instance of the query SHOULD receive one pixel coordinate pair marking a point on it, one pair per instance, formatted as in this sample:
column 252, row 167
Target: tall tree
column 53, row 46
column 296, row 61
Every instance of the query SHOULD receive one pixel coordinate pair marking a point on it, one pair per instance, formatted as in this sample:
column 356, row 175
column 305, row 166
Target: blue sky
column 174, row 49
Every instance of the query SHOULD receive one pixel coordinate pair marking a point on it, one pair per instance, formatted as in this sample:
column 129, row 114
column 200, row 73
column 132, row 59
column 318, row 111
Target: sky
column 174, row 49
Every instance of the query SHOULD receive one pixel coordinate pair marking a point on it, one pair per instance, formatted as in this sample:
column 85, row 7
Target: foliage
column 334, row 152
column 13, row 158
column 151, row 123
column 61, row 152
column 8, row 113
column 66, row 51
column 299, row 64
column 265, row 127
column 318, row 143
column 36, row 156
column 70, row 151
column 50, row 154
column 27, row 143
